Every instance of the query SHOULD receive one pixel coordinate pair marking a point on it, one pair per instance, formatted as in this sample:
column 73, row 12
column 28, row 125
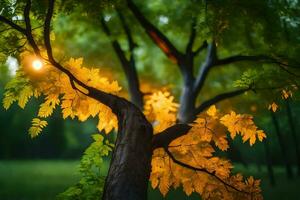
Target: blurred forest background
column 42, row 167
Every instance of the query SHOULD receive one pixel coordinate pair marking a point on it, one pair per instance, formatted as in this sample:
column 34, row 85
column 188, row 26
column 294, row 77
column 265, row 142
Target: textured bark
column 130, row 166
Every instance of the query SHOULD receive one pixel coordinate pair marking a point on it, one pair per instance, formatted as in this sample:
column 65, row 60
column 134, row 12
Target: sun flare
column 37, row 65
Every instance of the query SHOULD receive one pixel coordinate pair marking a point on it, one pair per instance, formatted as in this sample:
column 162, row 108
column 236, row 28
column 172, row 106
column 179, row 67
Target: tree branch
column 112, row 101
column 47, row 26
column 28, row 29
column 213, row 61
column 210, row 60
column 117, row 47
column 218, row 98
column 202, row 170
column 51, row 59
column 201, row 48
column 127, row 65
column 192, row 37
column 165, row 137
column 156, row 35
column 12, row 25
column 126, row 28
column 239, row 58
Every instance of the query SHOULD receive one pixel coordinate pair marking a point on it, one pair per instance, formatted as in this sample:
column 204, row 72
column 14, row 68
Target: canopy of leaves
column 57, row 90
column 237, row 27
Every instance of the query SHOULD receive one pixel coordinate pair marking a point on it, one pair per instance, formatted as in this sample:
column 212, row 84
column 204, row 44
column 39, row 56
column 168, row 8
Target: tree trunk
column 187, row 104
column 188, row 96
column 283, row 148
column 130, row 165
column 294, row 134
column 136, row 95
column 269, row 163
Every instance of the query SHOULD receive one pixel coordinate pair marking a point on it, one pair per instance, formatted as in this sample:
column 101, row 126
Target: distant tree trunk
column 55, row 147
column 294, row 134
column 130, row 165
column 235, row 154
column 283, row 148
column 269, row 163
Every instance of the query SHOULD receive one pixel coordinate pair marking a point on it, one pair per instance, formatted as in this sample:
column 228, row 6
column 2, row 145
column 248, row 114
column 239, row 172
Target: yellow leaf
column 164, row 184
column 261, row 135
column 242, row 124
column 24, row 96
column 46, row 108
column 285, row 94
column 230, row 121
column 154, row 180
column 37, row 126
column 273, row 107
column 188, row 187
column 221, row 141
column 212, row 111
column 9, row 99
column 161, row 110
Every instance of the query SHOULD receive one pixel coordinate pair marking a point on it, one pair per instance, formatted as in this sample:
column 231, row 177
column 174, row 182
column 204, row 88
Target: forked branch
column 201, row 48
column 28, row 29
column 240, row 58
column 189, row 46
column 12, row 25
column 128, row 66
column 155, row 34
column 112, row 101
column 165, row 137
column 109, row 100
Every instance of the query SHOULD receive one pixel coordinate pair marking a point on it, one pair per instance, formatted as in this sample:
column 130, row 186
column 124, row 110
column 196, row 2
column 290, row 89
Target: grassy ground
column 34, row 180
column 30, row 180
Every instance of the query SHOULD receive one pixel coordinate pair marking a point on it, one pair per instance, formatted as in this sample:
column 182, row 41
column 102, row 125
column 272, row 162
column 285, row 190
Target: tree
column 180, row 154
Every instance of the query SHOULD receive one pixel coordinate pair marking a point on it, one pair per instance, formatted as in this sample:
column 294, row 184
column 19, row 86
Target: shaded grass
column 34, row 180
column 29, row 180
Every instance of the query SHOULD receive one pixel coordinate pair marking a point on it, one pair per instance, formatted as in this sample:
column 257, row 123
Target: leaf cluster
column 91, row 183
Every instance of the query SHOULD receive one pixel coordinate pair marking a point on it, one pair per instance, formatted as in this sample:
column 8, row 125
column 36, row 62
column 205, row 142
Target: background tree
column 76, row 88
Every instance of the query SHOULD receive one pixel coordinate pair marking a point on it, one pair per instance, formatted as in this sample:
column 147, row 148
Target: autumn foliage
column 57, row 91
column 189, row 161
column 202, row 170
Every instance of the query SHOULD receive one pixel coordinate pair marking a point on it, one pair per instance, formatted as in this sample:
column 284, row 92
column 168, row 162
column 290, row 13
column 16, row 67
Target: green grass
column 34, row 180
column 22, row 180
